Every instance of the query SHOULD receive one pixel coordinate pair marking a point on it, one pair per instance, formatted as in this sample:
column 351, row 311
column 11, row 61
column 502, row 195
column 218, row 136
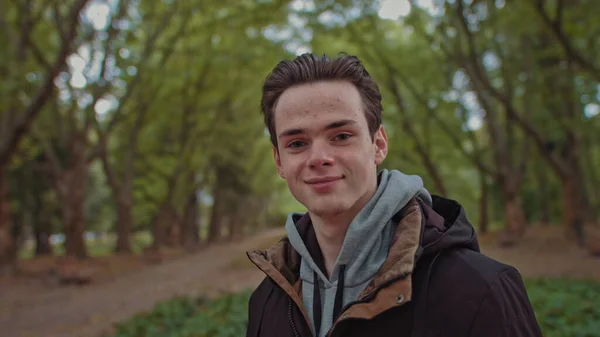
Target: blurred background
column 135, row 168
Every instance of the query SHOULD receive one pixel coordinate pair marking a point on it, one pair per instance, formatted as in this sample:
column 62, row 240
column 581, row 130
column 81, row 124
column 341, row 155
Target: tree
column 25, row 35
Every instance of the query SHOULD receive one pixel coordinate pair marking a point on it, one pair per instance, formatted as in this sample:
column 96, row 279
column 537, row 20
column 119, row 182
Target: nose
column 320, row 155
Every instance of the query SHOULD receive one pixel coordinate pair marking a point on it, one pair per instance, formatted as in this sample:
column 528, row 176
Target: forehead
column 315, row 104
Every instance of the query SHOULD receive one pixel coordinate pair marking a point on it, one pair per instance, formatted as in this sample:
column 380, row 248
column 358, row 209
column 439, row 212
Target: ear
column 278, row 162
column 380, row 141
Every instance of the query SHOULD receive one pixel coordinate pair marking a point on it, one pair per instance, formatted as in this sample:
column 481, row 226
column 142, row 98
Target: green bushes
column 563, row 308
column 186, row 317
column 566, row 308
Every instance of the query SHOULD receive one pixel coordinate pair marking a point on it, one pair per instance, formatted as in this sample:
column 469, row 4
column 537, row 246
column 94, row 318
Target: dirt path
column 544, row 251
column 91, row 310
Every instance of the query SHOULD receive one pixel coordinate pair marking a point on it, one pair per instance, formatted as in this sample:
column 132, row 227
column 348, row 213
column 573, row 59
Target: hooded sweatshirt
column 363, row 251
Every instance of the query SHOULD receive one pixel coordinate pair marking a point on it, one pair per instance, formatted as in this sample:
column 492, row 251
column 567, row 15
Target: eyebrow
column 334, row 125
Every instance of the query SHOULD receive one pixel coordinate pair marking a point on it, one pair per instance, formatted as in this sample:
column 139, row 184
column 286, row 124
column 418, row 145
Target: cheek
column 365, row 155
column 292, row 165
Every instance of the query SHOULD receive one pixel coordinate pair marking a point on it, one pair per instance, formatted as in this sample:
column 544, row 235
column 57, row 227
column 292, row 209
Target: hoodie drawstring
column 316, row 304
column 339, row 294
column 338, row 303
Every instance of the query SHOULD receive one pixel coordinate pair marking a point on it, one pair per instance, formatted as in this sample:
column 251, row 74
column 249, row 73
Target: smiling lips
column 322, row 184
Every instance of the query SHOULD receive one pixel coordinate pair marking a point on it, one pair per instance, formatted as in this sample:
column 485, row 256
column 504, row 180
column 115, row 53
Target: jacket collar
column 282, row 264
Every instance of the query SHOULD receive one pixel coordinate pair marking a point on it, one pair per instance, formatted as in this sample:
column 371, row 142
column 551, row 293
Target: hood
column 445, row 226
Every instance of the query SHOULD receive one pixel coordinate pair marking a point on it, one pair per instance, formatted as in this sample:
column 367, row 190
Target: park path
column 91, row 310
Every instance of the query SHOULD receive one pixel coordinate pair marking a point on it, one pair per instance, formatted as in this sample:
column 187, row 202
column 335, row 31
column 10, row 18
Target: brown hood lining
column 284, row 259
column 401, row 256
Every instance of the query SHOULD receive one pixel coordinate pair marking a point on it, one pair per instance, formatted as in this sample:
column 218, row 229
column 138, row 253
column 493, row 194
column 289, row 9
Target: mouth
column 322, row 180
column 323, row 184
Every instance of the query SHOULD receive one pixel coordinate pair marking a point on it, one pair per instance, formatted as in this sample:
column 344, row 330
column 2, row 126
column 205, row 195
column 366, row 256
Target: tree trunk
column 592, row 168
column 564, row 106
column 514, row 217
column 124, row 223
column 574, row 208
column 236, row 223
column 73, row 215
column 42, row 242
column 42, row 228
column 508, row 175
column 237, row 228
column 7, row 263
column 483, row 204
column 122, row 193
column 191, row 237
column 214, row 230
column 72, row 187
column 160, row 230
column 544, row 205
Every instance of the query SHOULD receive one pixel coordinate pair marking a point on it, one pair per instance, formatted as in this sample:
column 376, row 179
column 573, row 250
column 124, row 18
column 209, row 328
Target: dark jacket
column 435, row 282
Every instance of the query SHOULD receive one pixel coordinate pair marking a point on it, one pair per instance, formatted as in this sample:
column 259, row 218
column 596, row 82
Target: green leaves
column 184, row 317
column 566, row 308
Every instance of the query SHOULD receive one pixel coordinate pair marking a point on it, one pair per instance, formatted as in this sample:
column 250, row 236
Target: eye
column 296, row 144
column 343, row 136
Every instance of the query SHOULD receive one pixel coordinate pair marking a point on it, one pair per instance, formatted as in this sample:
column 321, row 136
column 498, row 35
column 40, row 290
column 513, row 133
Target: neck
column 330, row 235
column 331, row 229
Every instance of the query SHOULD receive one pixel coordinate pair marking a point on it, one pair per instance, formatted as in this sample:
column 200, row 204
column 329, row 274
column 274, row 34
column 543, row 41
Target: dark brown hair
column 310, row 68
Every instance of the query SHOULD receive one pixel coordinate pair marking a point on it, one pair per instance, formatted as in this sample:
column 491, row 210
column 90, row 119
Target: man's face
column 326, row 153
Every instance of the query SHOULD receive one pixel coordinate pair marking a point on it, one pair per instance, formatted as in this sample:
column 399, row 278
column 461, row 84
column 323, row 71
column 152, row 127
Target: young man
column 376, row 254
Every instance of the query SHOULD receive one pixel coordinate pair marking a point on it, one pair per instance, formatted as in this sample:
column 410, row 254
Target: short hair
column 311, row 68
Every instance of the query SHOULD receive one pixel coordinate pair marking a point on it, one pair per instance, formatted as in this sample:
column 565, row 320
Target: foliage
column 185, row 317
column 564, row 308
column 165, row 95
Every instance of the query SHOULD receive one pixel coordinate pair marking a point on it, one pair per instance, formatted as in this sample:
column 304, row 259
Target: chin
column 327, row 209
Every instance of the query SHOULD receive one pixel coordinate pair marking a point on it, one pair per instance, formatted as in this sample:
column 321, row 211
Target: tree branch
column 54, row 165
column 474, row 157
column 23, row 122
column 5, row 28
column 38, row 55
column 556, row 28
column 59, row 24
column 26, row 27
column 477, row 73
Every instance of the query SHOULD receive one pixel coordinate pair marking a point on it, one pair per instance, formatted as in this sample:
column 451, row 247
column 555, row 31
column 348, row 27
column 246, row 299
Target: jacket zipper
column 291, row 319
column 368, row 298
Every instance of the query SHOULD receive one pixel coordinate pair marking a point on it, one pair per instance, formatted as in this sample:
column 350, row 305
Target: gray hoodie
column 364, row 249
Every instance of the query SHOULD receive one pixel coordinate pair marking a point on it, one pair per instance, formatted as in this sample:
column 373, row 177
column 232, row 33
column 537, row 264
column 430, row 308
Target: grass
column 564, row 308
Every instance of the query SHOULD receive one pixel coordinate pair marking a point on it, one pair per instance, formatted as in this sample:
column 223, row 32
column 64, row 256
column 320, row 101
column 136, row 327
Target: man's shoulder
column 262, row 291
column 461, row 280
column 477, row 293
column 256, row 305
column 471, row 271
column 481, row 265
column 456, row 284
